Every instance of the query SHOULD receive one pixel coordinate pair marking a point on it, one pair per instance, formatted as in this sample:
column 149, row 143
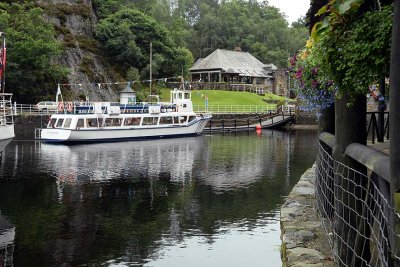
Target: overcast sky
column 293, row 9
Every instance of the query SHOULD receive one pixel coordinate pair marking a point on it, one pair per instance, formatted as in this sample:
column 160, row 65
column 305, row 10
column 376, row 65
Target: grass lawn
column 219, row 97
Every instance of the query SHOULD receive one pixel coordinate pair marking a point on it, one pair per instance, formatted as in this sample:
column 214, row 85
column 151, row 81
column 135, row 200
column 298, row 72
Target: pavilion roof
column 235, row 62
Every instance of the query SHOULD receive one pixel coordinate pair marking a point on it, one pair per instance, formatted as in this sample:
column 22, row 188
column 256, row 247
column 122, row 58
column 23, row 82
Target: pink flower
column 314, row 71
column 299, row 73
column 293, row 60
column 314, row 83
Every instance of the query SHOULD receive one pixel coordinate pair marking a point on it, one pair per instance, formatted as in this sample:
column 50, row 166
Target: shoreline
column 303, row 240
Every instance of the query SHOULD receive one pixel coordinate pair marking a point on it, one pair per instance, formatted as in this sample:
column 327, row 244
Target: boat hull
column 122, row 133
column 7, row 131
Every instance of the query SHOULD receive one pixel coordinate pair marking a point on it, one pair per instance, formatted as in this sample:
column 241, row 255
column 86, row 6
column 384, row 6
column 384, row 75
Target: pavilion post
column 394, row 117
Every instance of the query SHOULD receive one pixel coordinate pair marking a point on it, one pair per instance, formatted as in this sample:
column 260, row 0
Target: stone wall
column 24, row 126
column 303, row 241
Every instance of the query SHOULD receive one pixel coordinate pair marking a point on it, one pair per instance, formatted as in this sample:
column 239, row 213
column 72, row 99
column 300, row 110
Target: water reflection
column 123, row 160
column 7, row 234
column 152, row 203
column 3, row 144
column 235, row 163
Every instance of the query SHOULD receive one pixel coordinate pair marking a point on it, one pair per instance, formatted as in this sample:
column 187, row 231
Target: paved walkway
column 383, row 147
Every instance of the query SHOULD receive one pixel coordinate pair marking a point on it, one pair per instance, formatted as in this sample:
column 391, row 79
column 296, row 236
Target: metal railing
column 373, row 130
column 234, row 109
column 355, row 206
column 214, row 109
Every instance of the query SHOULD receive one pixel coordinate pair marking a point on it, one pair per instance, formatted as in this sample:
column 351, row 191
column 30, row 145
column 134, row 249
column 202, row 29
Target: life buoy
column 60, row 106
column 70, row 107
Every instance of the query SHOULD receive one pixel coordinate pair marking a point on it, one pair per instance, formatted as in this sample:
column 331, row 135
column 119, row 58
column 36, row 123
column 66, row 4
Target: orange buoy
column 258, row 127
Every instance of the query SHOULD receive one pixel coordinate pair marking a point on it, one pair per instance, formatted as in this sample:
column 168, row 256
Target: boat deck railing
column 164, row 107
column 6, row 109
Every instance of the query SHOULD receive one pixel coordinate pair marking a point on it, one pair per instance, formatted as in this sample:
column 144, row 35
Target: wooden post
column 394, row 113
column 350, row 127
column 394, row 117
column 326, row 123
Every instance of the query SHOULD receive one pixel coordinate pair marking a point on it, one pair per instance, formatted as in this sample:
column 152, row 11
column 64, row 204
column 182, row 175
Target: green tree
column 31, row 51
column 126, row 37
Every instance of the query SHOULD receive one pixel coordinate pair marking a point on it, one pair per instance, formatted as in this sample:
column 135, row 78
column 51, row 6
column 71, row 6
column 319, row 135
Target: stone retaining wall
column 303, row 241
column 24, row 126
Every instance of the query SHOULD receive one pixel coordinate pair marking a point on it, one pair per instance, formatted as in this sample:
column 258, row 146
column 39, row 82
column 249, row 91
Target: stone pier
column 304, row 243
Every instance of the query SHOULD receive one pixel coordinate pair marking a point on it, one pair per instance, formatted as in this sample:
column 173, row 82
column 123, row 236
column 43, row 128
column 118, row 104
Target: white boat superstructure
column 6, row 109
column 126, row 120
column 6, row 117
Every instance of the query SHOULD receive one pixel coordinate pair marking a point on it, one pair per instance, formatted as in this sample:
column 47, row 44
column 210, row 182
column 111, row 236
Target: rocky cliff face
column 74, row 22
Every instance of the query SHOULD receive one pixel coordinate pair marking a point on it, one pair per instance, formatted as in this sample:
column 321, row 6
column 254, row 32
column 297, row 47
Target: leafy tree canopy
column 203, row 26
column 126, row 36
column 32, row 46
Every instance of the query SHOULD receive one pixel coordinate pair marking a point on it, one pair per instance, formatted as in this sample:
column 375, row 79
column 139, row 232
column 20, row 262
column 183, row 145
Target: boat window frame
column 136, row 119
column 52, row 123
column 191, row 118
column 168, row 122
column 88, row 125
column 59, row 123
column 185, row 119
column 66, row 121
column 78, row 125
column 112, row 124
column 155, row 120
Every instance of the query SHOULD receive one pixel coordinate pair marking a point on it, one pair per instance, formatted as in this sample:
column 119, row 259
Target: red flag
column 3, row 53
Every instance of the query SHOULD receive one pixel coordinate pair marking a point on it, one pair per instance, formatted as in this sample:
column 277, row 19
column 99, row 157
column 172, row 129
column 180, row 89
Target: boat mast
column 151, row 70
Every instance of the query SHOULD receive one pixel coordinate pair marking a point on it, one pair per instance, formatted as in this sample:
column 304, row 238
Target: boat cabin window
column 112, row 122
column 187, row 95
column 182, row 119
column 52, row 123
column 132, row 121
column 80, row 123
column 150, row 121
column 176, row 119
column 59, row 123
column 166, row 120
column 192, row 118
column 91, row 122
column 67, row 123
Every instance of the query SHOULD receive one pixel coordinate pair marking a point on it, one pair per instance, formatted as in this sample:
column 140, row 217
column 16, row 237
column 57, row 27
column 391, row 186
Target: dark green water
column 204, row 201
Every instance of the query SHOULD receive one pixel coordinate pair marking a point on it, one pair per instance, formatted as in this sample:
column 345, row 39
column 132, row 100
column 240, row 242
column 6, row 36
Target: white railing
column 233, row 109
column 27, row 109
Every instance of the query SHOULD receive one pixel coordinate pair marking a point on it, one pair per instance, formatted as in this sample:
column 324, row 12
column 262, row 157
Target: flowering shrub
column 312, row 85
column 345, row 58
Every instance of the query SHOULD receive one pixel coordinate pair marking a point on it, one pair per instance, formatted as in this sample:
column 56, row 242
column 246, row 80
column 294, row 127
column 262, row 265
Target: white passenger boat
column 126, row 120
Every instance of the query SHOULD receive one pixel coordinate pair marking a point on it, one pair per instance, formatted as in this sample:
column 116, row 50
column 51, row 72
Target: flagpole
column 3, row 78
